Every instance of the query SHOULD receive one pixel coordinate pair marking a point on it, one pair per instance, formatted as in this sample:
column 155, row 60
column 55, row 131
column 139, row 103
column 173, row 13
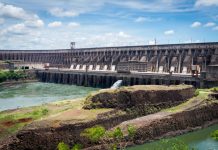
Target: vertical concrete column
column 180, row 61
column 157, row 63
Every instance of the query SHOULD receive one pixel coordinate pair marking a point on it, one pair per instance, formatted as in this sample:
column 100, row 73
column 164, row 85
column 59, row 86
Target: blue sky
column 53, row 24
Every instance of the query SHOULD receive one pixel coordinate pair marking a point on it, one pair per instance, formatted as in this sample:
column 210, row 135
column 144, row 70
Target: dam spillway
column 193, row 63
column 107, row 79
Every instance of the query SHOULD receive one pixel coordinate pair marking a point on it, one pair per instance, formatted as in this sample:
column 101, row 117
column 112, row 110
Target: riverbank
column 14, row 82
column 8, row 78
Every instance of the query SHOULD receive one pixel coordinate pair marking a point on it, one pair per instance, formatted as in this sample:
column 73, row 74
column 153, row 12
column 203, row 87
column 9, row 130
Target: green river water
column 31, row 94
column 200, row 140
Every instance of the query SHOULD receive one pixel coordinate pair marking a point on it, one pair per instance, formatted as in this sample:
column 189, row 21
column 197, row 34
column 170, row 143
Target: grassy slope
column 200, row 98
column 13, row 120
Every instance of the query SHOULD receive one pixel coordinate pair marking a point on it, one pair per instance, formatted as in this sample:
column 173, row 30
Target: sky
column 53, row 24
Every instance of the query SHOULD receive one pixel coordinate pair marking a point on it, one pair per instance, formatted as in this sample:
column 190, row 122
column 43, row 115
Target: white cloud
column 59, row 12
column 111, row 39
column 206, row 3
column 55, row 24
column 124, row 35
column 35, row 23
column 13, row 12
column 210, row 24
column 169, row 32
column 196, row 24
column 73, row 24
column 151, row 42
column 215, row 28
column 10, row 11
column 147, row 19
column 2, row 20
column 15, row 29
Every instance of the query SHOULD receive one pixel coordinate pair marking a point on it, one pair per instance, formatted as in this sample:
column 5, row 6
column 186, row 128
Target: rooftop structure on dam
column 198, row 60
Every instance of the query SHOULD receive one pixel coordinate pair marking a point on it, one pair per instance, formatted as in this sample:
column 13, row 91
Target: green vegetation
column 201, row 95
column 197, row 92
column 214, row 135
column 77, row 147
column 94, row 133
column 63, row 146
column 11, row 75
column 12, row 122
column 44, row 111
column 131, row 131
column 98, row 133
column 117, row 133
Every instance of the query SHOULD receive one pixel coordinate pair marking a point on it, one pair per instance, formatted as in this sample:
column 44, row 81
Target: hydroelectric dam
column 192, row 63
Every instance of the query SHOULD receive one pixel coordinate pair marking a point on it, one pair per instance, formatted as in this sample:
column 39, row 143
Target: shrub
column 197, row 92
column 77, row 147
column 214, row 135
column 94, row 134
column 63, row 146
column 39, row 112
column 44, row 111
column 118, row 134
column 11, row 75
column 214, row 89
column 131, row 131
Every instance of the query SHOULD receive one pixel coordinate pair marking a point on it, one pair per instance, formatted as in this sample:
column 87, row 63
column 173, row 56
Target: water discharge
column 117, row 84
column 31, row 94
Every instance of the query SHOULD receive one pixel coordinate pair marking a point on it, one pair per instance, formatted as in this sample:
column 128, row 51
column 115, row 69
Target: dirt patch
column 24, row 120
column 8, row 123
column 1, row 130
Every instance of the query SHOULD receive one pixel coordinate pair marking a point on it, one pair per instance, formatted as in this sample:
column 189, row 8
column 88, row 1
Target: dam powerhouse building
column 193, row 63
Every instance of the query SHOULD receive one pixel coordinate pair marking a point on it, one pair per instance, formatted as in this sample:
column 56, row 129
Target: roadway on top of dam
column 118, row 48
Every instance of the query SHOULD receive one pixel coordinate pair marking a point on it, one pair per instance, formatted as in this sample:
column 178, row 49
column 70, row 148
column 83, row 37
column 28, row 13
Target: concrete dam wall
column 184, row 63
column 105, row 80
column 177, row 58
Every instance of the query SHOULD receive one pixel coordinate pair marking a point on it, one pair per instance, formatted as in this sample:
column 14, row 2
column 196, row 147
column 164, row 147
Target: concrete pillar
column 179, row 67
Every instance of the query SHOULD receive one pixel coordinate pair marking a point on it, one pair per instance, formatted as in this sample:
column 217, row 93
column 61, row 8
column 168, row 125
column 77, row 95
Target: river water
column 200, row 140
column 31, row 94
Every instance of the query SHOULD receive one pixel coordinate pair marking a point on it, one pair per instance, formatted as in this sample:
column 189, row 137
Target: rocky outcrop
column 178, row 123
column 170, row 125
column 140, row 95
